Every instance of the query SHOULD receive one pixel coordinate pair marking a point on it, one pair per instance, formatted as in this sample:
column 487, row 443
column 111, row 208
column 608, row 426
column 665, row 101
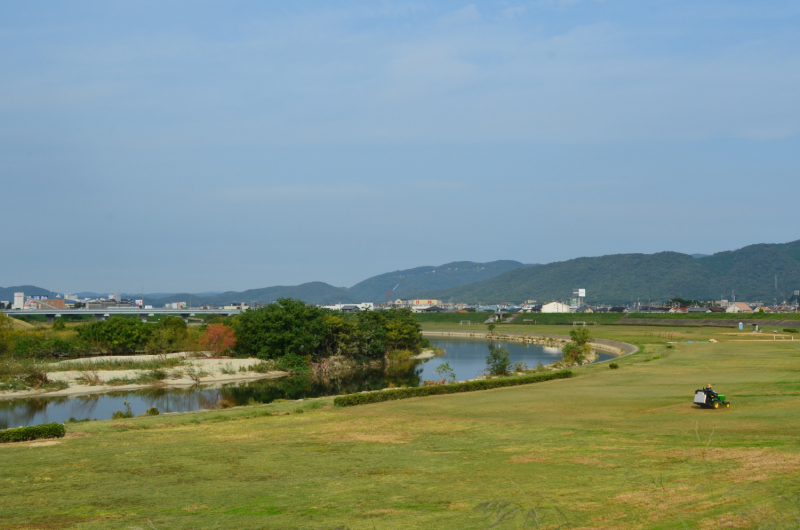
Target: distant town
column 116, row 303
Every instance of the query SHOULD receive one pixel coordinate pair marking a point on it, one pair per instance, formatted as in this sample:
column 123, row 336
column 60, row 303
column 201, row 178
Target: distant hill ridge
column 620, row 278
column 414, row 282
column 7, row 293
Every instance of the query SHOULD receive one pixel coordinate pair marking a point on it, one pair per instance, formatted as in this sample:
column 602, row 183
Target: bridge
column 102, row 314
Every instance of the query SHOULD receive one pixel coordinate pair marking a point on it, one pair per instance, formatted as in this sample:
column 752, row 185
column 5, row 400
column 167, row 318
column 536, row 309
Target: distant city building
column 175, row 305
column 739, row 307
column 555, row 307
column 19, row 301
column 351, row 308
column 425, row 302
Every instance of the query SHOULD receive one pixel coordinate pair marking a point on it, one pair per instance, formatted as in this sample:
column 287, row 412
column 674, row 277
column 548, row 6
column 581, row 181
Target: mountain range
column 750, row 273
column 413, row 283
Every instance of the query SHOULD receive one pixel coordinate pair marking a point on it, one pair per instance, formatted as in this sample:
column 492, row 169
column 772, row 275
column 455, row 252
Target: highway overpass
column 102, row 314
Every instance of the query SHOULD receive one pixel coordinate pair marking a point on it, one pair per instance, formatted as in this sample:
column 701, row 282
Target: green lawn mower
column 708, row 399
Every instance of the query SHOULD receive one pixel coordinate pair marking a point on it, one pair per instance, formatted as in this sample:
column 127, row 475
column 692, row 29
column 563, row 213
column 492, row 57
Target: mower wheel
column 716, row 405
column 727, row 405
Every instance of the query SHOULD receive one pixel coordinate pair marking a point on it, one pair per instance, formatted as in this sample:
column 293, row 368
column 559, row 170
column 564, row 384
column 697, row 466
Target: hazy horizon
column 191, row 146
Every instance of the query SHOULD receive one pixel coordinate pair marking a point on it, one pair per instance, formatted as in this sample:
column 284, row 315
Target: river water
column 466, row 357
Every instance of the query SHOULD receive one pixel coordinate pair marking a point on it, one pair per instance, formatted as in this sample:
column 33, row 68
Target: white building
column 739, row 307
column 19, row 301
column 363, row 306
column 555, row 307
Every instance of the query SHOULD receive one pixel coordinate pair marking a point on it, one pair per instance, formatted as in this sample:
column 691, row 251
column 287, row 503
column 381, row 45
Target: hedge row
column 24, row 434
column 469, row 386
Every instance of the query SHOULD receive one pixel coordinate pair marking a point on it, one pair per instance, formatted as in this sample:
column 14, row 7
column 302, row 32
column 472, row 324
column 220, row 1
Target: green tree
column 446, row 372
column 286, row 327
column 117, row 335
column 574, row 352
column 170, row 335
column 59, row 325
column 498, row 361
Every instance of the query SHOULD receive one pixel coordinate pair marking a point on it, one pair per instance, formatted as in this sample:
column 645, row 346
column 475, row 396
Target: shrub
column 152, row 411
column 170, row 335
column 791, row 330
column 218, row 338
column 36, row 377
column 469, row 386
column 127, row 413
column 656, row 357
column 116, row 335
column 59, row 325
column 291, row 362
column 613, row 366
column 24, row 434
column 445, row 372
column 670, row 346
column 498, row 362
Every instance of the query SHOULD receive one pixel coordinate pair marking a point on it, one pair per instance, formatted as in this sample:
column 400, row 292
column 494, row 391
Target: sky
column 187, row 146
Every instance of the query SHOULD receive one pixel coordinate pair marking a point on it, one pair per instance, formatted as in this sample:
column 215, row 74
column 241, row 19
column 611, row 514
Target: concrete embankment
column 612, row 347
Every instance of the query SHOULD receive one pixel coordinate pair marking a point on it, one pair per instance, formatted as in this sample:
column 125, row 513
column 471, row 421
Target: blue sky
column 193, row 146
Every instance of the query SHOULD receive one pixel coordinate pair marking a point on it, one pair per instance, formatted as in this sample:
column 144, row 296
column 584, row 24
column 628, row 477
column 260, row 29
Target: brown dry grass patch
column 727, row 520
column 375, row 437
column 528, row 459
column 592, row 462
column 123, row 424
column 42, row 443
column 753, row 464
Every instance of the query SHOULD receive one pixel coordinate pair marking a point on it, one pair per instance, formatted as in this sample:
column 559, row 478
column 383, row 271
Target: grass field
column 607, row 449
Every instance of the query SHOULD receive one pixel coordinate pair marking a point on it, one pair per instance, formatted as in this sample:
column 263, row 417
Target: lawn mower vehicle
column 708, row 399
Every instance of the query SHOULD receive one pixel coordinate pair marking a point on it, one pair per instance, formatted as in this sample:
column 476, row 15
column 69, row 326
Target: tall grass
column 115, row 364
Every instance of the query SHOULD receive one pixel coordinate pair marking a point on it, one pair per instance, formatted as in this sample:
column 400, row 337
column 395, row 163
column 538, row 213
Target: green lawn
column 607, row 449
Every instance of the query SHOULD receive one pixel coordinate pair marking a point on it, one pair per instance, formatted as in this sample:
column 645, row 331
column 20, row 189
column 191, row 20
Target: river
column 466, row 357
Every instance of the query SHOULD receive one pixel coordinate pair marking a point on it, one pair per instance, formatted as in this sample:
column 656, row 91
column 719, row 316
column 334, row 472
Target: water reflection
column 34, row 411
column 466, row 357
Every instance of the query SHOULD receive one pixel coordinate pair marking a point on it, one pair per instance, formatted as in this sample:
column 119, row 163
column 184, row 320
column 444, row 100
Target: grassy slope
column 608, row 449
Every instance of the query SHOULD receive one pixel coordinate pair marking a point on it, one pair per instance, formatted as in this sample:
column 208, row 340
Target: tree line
column 288, row 329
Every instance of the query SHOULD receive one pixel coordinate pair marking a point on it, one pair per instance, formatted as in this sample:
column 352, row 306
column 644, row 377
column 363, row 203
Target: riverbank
column 611, row 347
column 190, row 372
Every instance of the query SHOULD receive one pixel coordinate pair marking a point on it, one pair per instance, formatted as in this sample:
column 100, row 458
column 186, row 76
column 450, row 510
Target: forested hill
column 620, row 278
column 414, row 282
column 422, row 279
column 7, row 293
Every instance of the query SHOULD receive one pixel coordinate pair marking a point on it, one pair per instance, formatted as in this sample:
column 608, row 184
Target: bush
column 24, row 434
column 218, row 338
column 127, row 413
column 613, row 366
column 791, row 330
column 59, row 325
column 498, row 362
column 445, row 372
column 171, row 335
column 469, row 386
column 152, row 411
column 291, row 362
column 670, row 346
column 117, row 335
